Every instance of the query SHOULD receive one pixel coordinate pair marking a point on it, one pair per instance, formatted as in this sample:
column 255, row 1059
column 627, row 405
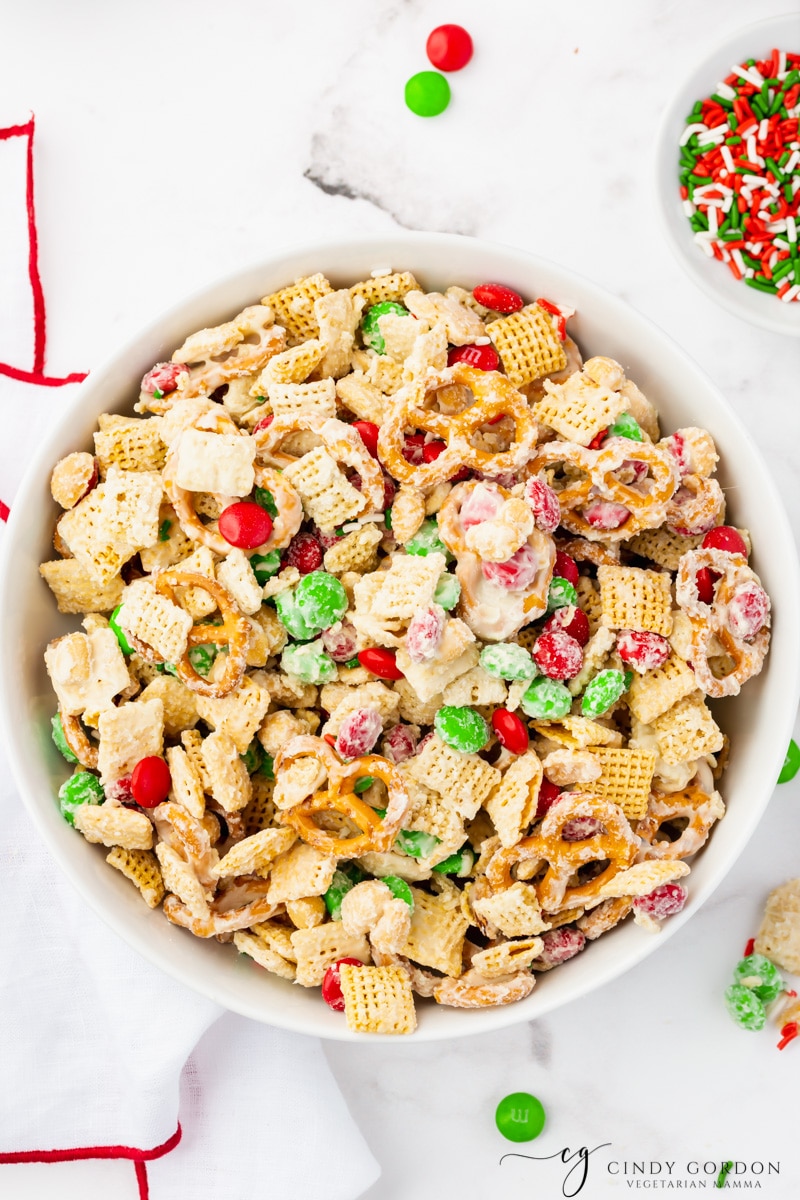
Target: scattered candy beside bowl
column 728, row 267
column 758, row 723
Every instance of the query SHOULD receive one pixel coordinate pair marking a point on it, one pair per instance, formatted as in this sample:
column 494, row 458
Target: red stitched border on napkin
column 138, row 1157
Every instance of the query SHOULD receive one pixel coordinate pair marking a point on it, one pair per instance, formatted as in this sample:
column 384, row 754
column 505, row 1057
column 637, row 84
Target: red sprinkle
column 380, row 662
column 264, row 423
column 789, row 1033
column 150, row 781
column 483, row 358
column 245, row 525
column 555, row 311
column 369, row 435
column 598, row 439
column 748, row 950
column 304, row 553
column 510, row 731
column 449, row 47
column 498, row 297
column 332, row 985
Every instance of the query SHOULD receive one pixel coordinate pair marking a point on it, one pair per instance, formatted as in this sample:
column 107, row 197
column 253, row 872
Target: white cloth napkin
column 99, row 1048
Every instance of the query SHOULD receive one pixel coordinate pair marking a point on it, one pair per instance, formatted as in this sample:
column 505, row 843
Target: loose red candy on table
column 245, row 525
column 516, row 573
column 725, row 537
column 566, row 568
column 642, row 651
column 549, row 792
column 510, row 731
column 449, row 47
column 557, row 655
column 498, row 297
column 571, row 620
column 368, row 433
column 380, row 662
column 150, row 781
column 304, row 553
column 665, row 901
column 545, row 507
column 163, row 377
column 332, row 984
column 483, row 358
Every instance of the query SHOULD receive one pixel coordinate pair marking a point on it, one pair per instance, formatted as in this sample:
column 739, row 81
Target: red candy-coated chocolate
column 358, row 733
column 747, row 610
column 432, row 450
column 483, row 358
column 368, row 432
column 572, row 620
column 264, row 423
column 580, row 828
column 389, row 490
column 400, row 743
column 642, row 651
column 516, row 572
column 482, row 504
column 557, row 655
column 332, row 986
column 549, row 792
column 665, row 901
column 544, row 506
column 340, row 641
column 510, row 731
column 598, row 439
column 605, row 514
column 120, row 791
column 424, row 633
column 561, row 944
column 414, row 448
column 163, row 377
column 380, row 662
column 305, row 553
column 150, row 781
column 245, row 524
column 566, row 568
column 449, row 47
column 704, row 581
column 497, row 297
column 725, row 537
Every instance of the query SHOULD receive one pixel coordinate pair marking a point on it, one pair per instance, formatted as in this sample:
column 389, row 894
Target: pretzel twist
column 697, row 807
column 78, row 741
column 234, row 632
column 342, row 441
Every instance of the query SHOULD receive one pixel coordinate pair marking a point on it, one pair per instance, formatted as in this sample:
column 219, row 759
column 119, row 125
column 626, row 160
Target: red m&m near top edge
column 449, row 47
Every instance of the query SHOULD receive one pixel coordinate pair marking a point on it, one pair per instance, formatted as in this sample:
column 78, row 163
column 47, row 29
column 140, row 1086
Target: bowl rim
column 784, row 320
column 402, row 243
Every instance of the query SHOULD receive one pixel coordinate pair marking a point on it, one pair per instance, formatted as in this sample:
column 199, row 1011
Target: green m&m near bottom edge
column 427, row 93
column 520, row 1117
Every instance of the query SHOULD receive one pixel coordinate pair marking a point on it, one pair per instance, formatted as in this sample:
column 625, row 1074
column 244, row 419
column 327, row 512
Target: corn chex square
column 172, row 544
column 414, row 710
column 108, row 825
column 528, row 344
column 321, row 946
column 589, row 601
column 438, row 816
column 356, row 551
column 385, row 287
column 653, row 693
column 294, row 306
column 512, row 804
column 87, row 670
column 141, row 867
column 256, row 853
column 187, row 785
column 515, row 911
column 687, row 731
column 298, row 872
column 378, row 999
column 290, row 366
column 130, row 443
column 328, row 497
column 632, row 598
column 436, row 936
column 338, row 314
column 261, row 952
column 576, row 733
column 303, row 399
column 361, row 397
column 625, row 779
column 131, row 506
column 407, row 586
column 579, row 407
column 87, row 534
column 238, row 578
column 465, row 778
column 180, row 704
column 76, row 591
column 663, row 547
column 260, row 811
column 215, row 462
column 128, row 733
column 155, row 621
column 238, row 714
column 180, row 879
column 228, row 780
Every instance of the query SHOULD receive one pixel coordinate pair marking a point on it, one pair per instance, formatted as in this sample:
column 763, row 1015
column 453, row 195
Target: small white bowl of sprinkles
column 728, row 174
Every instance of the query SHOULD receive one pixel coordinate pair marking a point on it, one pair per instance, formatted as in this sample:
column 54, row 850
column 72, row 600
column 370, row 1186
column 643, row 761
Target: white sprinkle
column 379, row 271
column 782, row 72
column 736, row 255
column 787, row 297
column 699, row 127
column 752, row 151
column 794, row 112
column 688, row 208
column 749, row 273
column 727, row 158
column 725, row 90
column 780, row 244
column 791, row 162
column 763, row 130
column 713, row 137
column 482, row 341
column 704, row 239
column 791, row 229
column 755, row 247
column 726, row 255
column 773, row 261
column 751, row 74
column 352, row 525
column 713, row 220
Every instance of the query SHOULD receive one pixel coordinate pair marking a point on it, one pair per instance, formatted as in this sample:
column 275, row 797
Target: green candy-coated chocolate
column 371, row 330
column 761, row 976
column 560, row 594
column 321, row 599
column 399, row 888
column 546, row 700
column 427, row 93
column 113, row 622
column 461, row 727
column 791, row 764
column 745, row 1007
column 344, row 879
column 291, row 617
column 202, row 657
column 268, row 766
column 60, row 740
column 448, row 591
column 460, row 863
column 253, row 757
column 602, row 692
column 416, row 842
column 361, row 785
column 427, row 541
column 265, row 498
column 507, row 660
column 626, row 426
column 309, row 662
column 520, row 1117
column 265, row 565
column 81, row 788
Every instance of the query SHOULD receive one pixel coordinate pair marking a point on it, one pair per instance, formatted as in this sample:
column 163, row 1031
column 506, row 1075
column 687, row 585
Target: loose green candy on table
column 265, row 565
column 507, row 660
column 427, row 93
column 309, row 662
column 745, row 1007
column 427, row 541
column 761, row 976
column 60, row 741
column 546, row 700
column 113, row 623
column 321, row 600
column 602, row 692
column 520, row 1117
column 626, row 426
column 560, row 594
column 399, row 889
column 459, row 864
column 371, row 330
column 461, row 727
column 448, row 591
column 81, row 788
column 791, row 764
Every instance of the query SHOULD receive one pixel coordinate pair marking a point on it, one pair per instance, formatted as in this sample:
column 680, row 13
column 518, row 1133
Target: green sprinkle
column 163, row 530
column 352, row 663
column 60, row 741
column 761, row 285
column 113, row 623
column 253, row 757
column 370, row 329
column 81, row 788
column 361, row 785
column 265, row 498
column 387, row 518
column 158, row 394
column 727, row 1167
column 265, row 565
column 399, row 889
column 268, row 766
column 166, row 668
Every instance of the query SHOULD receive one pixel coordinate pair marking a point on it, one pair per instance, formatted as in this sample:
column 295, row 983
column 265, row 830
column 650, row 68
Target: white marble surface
column 179, row 142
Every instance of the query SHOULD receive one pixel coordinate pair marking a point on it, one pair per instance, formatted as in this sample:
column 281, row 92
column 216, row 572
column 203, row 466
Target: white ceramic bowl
column 758, row 723
column 756, row 41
